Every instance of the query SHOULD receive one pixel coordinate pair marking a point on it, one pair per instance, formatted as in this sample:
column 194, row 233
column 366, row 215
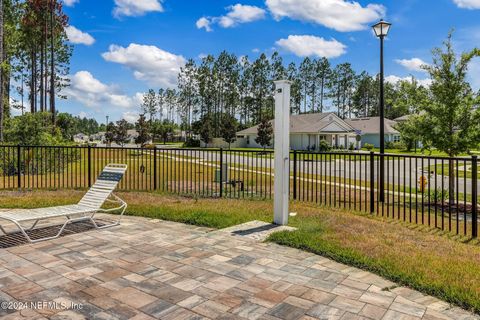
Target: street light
column 381, row 31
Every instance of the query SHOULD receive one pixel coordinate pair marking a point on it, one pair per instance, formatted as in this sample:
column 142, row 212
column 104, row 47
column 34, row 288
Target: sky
column 124, row 47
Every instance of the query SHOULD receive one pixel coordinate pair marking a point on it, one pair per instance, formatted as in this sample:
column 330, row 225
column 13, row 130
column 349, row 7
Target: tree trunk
column 42, row 87
column 1, row 72
column 52, row 62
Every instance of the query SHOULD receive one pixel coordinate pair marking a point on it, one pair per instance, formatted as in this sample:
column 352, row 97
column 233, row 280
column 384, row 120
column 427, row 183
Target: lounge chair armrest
column 123, row 205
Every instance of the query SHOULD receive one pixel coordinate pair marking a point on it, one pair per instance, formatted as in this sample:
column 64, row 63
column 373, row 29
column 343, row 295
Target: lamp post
column 381, row 31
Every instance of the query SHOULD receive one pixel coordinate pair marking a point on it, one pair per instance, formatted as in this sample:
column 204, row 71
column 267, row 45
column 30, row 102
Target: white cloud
column 148, row 63
column 136, row 8
column 304, row 46
column 468, row 4
column 83, row 114
column 394, row 79
column 91, row 92
column 340, row 15
column 76, row 36
column 414, row 64
column 70, row 3
column 237, row 14
column 204, row 23
column 130, row 116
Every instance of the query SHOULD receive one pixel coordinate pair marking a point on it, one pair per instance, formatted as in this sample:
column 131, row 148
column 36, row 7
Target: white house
column 80, row 138
column 369, row 129
column 307, row 130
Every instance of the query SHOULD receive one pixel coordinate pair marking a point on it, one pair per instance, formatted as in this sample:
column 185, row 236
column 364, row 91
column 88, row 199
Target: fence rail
column 436, row 192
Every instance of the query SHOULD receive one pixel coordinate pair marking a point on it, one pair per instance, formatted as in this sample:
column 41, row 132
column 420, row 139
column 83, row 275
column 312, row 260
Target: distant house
column 132, row 135
column 98, row 137
column 80, row 138
column 307, row 130
column 369, row 130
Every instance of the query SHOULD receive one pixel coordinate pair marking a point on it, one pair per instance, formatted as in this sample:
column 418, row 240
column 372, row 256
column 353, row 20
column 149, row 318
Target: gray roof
column 308, row 123
column 371, row 125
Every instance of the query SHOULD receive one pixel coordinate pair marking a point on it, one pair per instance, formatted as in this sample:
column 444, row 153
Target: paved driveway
column 148, row 269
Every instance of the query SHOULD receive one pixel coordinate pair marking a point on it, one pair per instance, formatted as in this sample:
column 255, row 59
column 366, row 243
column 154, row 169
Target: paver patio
column 146, row 269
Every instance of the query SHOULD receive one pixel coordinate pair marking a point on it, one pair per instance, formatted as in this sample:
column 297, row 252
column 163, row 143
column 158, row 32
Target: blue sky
column 124, row 47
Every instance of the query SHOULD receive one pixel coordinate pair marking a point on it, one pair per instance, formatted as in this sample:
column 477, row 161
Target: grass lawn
column 426, row 153
column 424, row 259
column 463, row 172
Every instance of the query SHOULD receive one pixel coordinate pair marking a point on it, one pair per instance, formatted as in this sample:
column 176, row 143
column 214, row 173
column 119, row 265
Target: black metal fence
column 436, row 192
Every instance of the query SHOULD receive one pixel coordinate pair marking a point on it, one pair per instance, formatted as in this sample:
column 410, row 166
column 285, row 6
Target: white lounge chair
column 89, row 205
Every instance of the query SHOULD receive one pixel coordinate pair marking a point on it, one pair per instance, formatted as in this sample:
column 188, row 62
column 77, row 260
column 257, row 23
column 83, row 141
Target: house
column 98, row 137
column 307, row 130
column 369, row 130
column 80, row 138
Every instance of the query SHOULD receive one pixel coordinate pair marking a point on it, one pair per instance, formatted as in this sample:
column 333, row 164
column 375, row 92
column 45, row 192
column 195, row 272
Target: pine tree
column 121, row 132
column 143, row 131
column 229, row 129
column 264, row 133
column 149, row 104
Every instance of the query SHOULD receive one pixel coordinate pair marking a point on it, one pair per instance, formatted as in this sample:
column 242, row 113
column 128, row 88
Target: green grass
column 428, row 260
column 433, row 153
column 445, row 170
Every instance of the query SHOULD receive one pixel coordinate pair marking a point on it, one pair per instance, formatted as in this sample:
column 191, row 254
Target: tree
column 121, row 132
column 322, row 76
column 163, row 129
column 188, row 98
column 33, row 129
column 142, row 128
column 204, row 128
column 149, row 104
column 413, row 131
column 1, row 71
column 229, row 129
column 306, row 75
column 110, row 133
column 451, row 112
column 264, row 133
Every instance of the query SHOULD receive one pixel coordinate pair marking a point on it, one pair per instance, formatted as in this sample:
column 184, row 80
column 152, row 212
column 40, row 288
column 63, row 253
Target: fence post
column 474, row 197
column 221, row 172
column 89, row 167
column 155, row 168
column 372, row 182
column 294, row 174
column 19, row 168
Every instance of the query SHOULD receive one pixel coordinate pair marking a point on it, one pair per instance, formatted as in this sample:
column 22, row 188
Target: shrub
column 323, row 146
column 351, row 147
column 369, row 146
column 399, row 145
column 191, row 143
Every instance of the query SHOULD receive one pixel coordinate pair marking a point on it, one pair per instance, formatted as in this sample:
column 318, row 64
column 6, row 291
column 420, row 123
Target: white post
column 282, row 151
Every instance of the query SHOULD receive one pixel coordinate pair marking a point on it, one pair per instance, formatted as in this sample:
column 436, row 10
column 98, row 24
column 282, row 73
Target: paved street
column 146, row 269
column 398, row 171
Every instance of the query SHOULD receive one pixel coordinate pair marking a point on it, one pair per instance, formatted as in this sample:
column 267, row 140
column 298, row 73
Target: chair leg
column 116, row 223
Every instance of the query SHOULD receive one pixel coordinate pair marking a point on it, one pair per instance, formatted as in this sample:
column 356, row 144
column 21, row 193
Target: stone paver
column 151, row 269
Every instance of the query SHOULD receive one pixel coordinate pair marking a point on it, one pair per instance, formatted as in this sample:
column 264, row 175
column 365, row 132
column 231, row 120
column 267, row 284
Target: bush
column 191, row 143
column 351, row 147
column 399, row 145
column 323, row 146
column 369, row 146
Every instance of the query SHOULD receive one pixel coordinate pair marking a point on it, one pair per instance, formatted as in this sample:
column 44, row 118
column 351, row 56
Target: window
column 396, row 138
